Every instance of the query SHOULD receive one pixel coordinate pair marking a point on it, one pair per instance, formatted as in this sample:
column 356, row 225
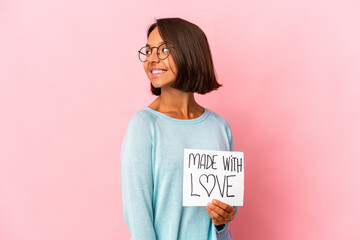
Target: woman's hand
column 220, row 212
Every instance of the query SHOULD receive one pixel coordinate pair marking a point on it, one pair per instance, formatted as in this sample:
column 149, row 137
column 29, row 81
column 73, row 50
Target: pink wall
column 70, row 80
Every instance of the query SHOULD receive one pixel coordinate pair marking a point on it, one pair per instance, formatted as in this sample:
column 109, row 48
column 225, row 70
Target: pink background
column 70, row 80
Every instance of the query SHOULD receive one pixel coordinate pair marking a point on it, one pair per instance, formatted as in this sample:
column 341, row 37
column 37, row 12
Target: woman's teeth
column 157, row 71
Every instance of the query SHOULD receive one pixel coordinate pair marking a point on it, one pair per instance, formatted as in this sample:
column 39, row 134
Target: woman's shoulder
column 142, row 116
column 217, row 118
column 141, row 123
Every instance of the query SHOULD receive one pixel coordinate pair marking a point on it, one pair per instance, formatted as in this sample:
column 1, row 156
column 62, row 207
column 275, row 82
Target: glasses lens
column 163, row 51
column 143, row 54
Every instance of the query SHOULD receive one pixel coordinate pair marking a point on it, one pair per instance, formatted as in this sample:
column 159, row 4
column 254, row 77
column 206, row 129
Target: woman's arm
column 137, row 180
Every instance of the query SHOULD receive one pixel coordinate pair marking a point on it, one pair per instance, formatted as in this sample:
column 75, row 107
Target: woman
column 178, row 62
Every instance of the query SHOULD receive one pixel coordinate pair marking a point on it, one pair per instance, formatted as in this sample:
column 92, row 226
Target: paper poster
column 213, row 175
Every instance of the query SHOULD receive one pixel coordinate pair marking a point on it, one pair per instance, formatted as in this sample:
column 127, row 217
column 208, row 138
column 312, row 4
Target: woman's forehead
column 154, row 38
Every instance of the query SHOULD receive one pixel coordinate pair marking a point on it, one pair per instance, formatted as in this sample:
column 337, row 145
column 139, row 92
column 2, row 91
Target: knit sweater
column 152, row 158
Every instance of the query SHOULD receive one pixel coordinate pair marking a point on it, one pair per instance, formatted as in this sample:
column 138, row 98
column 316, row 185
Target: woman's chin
column 157, row 84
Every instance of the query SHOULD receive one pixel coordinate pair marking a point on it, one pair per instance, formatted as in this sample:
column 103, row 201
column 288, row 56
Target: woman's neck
column 177, row 104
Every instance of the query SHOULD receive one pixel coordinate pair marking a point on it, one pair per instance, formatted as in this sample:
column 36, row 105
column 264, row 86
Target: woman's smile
column 157, row 72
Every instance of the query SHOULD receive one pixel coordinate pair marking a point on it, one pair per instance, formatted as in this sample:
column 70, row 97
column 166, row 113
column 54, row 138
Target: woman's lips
column 157, row 72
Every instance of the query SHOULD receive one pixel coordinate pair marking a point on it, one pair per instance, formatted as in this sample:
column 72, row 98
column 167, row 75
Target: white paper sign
column 213, row 175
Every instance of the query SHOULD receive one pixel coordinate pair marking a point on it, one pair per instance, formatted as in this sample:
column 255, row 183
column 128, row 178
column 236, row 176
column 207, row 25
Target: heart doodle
column 206, row 183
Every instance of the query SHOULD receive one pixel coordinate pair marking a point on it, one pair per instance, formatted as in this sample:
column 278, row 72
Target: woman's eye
column 165, row 50
column 148, row 52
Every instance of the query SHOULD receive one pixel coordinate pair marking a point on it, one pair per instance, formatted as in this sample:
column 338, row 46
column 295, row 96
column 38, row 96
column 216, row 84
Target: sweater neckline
column 181, row 121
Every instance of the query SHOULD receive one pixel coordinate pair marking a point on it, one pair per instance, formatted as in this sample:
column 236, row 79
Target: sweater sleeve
column 137, row 179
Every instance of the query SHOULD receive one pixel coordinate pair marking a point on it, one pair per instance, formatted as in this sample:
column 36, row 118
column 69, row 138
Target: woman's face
column 160, row 72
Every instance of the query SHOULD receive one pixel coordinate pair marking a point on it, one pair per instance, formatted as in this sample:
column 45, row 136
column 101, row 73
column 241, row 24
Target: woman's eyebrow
column 147, row 45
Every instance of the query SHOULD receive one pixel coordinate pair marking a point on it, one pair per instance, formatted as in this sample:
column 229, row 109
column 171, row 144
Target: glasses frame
column 157, row 52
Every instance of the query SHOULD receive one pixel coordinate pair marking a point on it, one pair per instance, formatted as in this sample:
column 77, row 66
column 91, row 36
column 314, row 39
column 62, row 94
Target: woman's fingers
column 220, row 213
column 224, row 206
column 216, row 218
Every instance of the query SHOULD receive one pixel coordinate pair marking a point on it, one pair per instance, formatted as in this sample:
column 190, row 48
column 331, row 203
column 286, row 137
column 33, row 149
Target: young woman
column 177, row 61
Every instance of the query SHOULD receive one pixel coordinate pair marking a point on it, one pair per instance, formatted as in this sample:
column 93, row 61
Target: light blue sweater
column 152, row 175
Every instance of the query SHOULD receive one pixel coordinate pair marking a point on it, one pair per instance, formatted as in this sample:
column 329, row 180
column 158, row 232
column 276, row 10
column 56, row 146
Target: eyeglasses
column 163, row 51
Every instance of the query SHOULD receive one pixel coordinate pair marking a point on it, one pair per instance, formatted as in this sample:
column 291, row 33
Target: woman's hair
column 192, row 56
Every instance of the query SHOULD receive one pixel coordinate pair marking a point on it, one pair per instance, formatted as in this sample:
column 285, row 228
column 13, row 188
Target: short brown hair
column 192, row 55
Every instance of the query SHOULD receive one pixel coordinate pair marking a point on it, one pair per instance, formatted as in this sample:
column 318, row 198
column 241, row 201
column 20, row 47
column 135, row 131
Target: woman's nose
column 153, row 57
